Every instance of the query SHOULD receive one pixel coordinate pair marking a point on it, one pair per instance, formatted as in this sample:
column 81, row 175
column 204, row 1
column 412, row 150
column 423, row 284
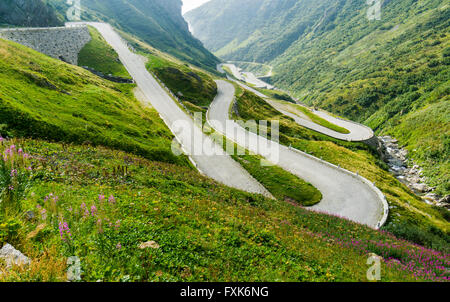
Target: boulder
column 413, row 179
column 13, row 257
column 422, row 188
column 149, row 244
column 445, row 200
column 431, row 197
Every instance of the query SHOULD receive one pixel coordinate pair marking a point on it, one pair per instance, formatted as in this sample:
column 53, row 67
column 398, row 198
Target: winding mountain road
column 248, row 77
column 344, row 194
column 357, row 133
column 210, row 158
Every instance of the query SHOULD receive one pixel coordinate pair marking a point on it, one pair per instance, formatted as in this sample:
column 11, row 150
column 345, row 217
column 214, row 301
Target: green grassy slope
column 196, row 87
column 97, row 54
column 156, row 22
column 102, row 204
column 195, row 229
column 409, row 215
column 383, row 73
column 46, row 98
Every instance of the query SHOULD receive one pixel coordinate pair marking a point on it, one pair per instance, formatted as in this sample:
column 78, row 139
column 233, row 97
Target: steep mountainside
column 157, row 22
column 390, row 73
column 27, row 13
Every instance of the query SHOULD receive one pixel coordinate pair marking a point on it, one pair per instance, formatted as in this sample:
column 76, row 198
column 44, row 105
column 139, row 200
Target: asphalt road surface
column 343, row 194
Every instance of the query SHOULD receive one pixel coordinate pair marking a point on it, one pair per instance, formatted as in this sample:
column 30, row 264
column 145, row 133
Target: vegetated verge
column 130, row 219
column 100, row 56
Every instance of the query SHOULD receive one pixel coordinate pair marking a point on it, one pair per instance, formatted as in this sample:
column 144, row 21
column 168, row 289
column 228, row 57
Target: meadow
column 130, row 219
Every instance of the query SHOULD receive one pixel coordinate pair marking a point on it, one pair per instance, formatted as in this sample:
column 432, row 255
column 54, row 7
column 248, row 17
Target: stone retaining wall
column 63, row 43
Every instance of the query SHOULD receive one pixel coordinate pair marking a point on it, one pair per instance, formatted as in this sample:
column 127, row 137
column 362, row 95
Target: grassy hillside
column 385, row 73
column 45, row 98
column 147, row 216
column 97, row 54
column 163, row 222
column 157, row 22
column 409, row 216
column 192, row 86
column 30, row 13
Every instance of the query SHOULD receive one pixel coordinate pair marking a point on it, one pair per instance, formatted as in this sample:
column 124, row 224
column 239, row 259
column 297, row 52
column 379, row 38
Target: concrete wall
column 63, row 43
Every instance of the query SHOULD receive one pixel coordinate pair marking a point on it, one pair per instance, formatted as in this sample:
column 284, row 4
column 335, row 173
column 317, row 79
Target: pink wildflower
column 93, row 210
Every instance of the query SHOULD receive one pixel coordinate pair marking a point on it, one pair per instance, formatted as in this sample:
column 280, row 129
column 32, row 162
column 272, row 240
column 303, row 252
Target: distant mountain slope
column 35, row 13
column 388, row 73
column 157, row 22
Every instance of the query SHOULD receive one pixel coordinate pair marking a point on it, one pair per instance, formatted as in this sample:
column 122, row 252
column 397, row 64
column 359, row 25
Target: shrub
column 15, row 174
column 9, row 230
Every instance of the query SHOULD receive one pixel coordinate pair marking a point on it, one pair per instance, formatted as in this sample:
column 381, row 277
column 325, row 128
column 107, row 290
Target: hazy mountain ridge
column 31, row 13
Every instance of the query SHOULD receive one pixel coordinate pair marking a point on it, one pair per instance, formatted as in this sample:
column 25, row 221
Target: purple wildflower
column 93, row 210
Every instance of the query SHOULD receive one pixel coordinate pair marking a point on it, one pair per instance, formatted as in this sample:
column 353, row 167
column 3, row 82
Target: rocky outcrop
column 412, row 176
column 375, row 143
column 13, row 257
column 62, row 43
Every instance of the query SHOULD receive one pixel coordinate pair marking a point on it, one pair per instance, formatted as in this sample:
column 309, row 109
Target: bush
column 431, row 237
column 9, row 230
column 15, row 174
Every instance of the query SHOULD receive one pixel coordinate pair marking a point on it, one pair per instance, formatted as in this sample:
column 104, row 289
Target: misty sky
column 191, row 4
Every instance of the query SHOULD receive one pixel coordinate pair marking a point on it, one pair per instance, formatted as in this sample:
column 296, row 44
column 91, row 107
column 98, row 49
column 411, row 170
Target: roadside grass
column 281, row 184
column 320, row 121
column 277, row 94
column 409, row 217
column 99, row 55
column 191, row 86
column 45, row 98
column 101, row 205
